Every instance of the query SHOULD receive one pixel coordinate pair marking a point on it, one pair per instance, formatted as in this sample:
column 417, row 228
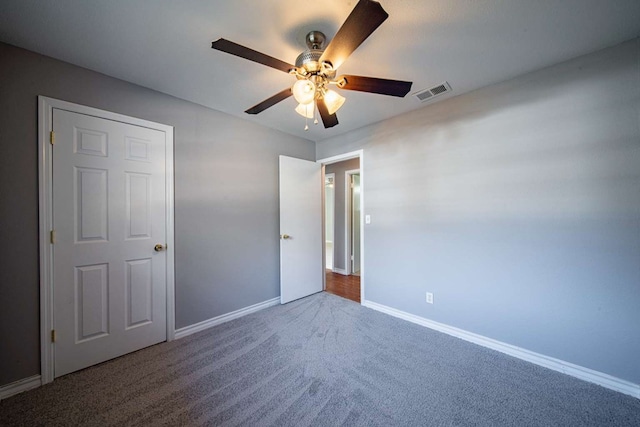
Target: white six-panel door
column 301, row 241
column 109, row 211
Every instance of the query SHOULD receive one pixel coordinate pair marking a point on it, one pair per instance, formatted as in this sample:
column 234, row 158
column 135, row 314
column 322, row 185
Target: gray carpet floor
column 321, row 360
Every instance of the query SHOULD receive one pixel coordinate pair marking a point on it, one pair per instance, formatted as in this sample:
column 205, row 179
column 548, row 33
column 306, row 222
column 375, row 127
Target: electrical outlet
column 429, row 298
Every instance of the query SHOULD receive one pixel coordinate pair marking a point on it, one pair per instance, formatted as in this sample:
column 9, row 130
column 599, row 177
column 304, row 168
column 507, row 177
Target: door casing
column 45, row 190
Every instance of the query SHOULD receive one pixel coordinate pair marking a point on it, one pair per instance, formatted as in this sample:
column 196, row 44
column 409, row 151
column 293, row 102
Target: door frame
column 45, row 198
column 348, row 220
column 359, row 154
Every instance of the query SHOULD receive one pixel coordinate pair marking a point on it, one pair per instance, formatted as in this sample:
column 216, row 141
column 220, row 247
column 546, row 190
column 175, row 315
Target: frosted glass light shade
column 304, row 91
column 333, row 100
column 305, row 110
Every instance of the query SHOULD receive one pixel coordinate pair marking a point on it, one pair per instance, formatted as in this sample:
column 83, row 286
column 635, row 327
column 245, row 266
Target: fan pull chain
column 315, row 114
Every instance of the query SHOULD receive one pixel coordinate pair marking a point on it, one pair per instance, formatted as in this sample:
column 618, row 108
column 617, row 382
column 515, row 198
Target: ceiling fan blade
column 270, row 102
column 374, row 85
column 250, row 54
column 329, row 120
column 360, row 24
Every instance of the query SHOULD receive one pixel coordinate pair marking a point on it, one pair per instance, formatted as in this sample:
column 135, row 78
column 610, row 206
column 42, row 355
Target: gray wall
column 518, row 206
column 338, row 243
column 226, row 198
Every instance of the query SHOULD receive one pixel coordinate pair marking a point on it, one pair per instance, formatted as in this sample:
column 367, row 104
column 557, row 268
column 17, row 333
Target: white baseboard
column 19, row 386
column 206, row 324
column 340, row 271
column 586, row 374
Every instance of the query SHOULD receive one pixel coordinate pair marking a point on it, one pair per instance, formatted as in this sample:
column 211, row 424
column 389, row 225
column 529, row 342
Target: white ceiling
column 165, row 45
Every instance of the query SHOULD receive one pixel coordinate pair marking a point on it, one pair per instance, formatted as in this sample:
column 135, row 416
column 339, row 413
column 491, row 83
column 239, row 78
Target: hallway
column 343, row 286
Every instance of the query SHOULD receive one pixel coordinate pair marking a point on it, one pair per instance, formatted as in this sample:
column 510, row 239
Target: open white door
column 301, row 241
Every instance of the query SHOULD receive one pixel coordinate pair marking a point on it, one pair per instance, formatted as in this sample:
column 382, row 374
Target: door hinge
column 53, row 236
column 52, row 137
column 53, row 335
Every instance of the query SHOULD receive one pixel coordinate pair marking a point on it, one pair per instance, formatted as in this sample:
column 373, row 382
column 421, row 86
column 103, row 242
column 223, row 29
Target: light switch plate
column 367, row 219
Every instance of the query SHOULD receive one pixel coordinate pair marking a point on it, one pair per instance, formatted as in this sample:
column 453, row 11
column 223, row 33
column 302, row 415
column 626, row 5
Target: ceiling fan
column 315, row 68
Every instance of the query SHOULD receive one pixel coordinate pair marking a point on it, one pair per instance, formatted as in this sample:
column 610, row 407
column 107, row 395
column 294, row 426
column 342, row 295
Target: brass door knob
column 285, row 236
column 159, row 247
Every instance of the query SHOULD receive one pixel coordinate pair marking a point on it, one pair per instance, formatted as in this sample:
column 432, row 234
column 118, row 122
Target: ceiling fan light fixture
column 304, row 91
column 333, row 100
column 305, row 110
column 315, row 68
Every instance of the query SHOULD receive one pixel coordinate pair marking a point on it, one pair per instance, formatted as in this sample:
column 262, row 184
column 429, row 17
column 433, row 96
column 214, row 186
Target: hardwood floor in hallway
column 343, row 286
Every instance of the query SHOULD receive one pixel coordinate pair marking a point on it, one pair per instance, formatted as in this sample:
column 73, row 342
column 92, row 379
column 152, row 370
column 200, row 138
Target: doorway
column 344, row 272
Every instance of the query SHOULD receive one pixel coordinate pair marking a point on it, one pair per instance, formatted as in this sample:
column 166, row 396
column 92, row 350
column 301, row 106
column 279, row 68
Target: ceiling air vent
column 428, row 94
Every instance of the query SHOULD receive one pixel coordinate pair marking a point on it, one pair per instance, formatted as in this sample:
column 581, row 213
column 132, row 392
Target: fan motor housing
column 309, row 60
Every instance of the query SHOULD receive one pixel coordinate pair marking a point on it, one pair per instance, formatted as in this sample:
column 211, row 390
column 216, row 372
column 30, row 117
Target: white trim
column 210, row 323
column 586, row 374
column 19, row 386
column 45, row 213
column 170, row 274
column 346, row 156
column 340, row 157
column 340, row 271
column 45, row 190
column 324, row 229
